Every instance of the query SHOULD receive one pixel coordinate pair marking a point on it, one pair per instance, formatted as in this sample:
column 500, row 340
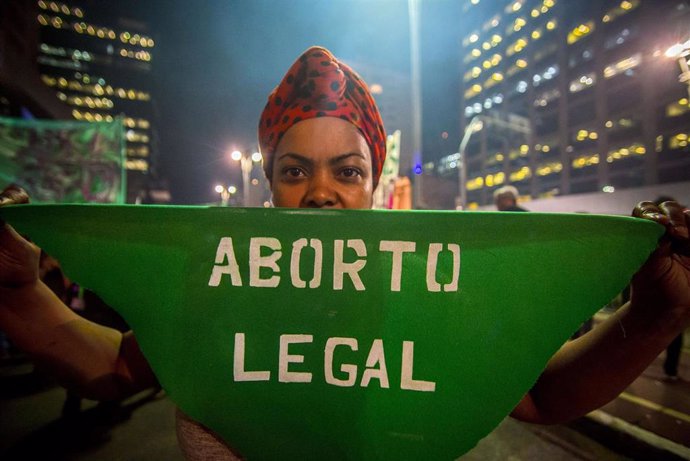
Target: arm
column 592, row 370
column 98, row 362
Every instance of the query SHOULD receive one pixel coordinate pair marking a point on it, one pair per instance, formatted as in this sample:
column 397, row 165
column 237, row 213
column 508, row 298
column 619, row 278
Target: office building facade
column 93, row 62
column 562, row 97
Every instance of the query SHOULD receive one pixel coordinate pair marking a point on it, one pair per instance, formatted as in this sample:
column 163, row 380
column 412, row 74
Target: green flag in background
column 299, row 334
column 64, row 161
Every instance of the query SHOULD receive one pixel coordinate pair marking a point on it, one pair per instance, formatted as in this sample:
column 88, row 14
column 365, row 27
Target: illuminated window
column 585, row 161
column 623, row 65
column 586, row 135
column 136, row 136
column 678, row 108
column 138, row 151
column 519, row 24
column 136, row 165
column 635, row 149
column 473, row 91
column 513, row 7
column 521, row 174
column 547, row 169
column 619, row 10
column 472, row 38
column 679, row 141
column 583, row 82
column 519, row 65
column 475, row 183
column 580, row 32
column 548, row 74
column 517, row 46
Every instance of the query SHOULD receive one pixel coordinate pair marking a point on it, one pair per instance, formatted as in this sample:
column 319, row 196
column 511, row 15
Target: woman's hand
column 19, row 258
column 664, row 280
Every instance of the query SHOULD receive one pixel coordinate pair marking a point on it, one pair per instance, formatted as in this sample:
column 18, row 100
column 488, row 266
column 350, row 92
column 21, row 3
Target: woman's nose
column 321, row 192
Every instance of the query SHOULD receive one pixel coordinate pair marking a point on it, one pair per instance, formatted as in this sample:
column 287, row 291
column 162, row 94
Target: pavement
column 649, row 421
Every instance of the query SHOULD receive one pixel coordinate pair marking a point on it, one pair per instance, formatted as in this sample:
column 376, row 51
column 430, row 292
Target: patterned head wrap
column 318, row 85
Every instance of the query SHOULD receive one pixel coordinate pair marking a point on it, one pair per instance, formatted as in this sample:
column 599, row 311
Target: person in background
column 323, row 143
column 505, row 199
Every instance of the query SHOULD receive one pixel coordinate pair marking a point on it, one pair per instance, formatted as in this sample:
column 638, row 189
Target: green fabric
column 526, row 282
column 64, row 161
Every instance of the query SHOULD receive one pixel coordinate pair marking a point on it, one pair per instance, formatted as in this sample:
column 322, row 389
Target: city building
column 85, row 60
column 562, row 97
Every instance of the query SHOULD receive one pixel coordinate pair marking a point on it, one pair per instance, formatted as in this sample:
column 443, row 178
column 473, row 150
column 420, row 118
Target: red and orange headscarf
column 318, row 85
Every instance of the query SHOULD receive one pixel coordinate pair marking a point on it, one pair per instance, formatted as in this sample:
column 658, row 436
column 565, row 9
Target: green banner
column 64, row 161
column 349, row 334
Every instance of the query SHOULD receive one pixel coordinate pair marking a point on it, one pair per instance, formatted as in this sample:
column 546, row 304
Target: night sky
column 216, row 62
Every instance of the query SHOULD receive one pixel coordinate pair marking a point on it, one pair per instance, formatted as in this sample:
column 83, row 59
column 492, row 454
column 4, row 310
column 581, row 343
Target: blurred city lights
column 678, row 50
column 236, row 155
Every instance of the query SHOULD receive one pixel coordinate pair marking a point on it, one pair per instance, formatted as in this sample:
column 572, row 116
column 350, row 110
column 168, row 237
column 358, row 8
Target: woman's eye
column 350, row 172
column 293, row 172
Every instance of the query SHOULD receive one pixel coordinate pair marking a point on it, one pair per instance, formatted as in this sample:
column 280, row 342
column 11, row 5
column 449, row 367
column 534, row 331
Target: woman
column 323, row 140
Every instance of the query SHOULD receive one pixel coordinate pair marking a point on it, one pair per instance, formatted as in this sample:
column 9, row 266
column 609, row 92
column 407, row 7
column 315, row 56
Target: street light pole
column 478, row 122
column 474, row 125
column 246, row 165
column 413, row 8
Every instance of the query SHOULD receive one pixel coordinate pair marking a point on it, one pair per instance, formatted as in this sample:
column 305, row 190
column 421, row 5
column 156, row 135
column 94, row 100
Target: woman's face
column 322, row 163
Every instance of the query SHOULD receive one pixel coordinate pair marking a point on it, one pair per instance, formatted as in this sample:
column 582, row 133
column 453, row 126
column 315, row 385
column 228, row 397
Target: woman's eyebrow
column 299, row 158
column 342, row 157
column 308, row 161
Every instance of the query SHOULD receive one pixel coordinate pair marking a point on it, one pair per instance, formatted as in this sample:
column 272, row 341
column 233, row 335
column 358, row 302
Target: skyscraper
column 571, row 97
column 93, row 62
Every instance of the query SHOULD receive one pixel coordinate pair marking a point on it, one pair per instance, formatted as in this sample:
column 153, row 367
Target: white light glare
column 678, row 50
column 236, row 155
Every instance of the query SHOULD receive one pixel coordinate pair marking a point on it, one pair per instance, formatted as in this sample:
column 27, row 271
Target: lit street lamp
column 681, row 51
column 246, row 164
column 513, row 123
column 225, row 193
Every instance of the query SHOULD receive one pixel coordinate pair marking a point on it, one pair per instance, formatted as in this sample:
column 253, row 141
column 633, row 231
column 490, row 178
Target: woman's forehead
column 323, row 136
